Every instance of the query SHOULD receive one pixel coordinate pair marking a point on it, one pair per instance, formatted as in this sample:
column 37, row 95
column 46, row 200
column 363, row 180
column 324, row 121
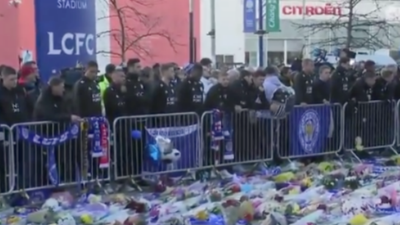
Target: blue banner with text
column 65, row 34
column 249, row 16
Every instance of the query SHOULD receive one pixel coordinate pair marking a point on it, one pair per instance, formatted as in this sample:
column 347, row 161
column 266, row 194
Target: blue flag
column 309, row 129
column 249, row 16
column 65, row 34
column 185, row 140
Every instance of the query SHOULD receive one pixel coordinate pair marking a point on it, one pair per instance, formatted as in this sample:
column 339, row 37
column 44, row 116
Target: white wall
column 102, row 25
column 230, row 39
column 229, row 29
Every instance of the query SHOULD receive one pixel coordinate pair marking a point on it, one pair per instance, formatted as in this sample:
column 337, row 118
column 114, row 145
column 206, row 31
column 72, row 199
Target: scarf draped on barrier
column 221, row 130
column 99, row 144
column 100, row 140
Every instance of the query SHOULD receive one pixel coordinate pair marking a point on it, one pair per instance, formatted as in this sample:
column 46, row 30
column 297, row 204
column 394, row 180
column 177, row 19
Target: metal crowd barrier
column 131, row 133
column 310, row 130
column 247, row 139
column 370, row 126
column 7, row 172
column 30, row 162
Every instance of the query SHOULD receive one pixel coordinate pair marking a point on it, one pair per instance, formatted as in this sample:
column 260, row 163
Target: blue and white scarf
column 95, row 122
column 51, row 143
column 221, row 130
column 67, row 135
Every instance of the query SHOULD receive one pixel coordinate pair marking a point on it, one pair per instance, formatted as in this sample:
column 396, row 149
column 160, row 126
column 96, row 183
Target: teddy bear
column 167, row 152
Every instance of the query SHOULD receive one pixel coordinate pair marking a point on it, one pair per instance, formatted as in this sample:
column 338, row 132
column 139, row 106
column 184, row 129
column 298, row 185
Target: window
column 247, row 58
column 275, row 58
column 253, row 59
column 291, row 56
column 221, row 60
column 229, row 59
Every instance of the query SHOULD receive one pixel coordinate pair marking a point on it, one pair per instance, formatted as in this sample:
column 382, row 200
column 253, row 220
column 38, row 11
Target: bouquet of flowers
column 230, row 211
column 215, row 195
column 232, row 189
column 137, row 206
column 246, row 211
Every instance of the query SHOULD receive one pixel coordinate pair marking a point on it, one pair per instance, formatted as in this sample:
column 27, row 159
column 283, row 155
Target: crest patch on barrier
column 25, row 133
column 309, row 130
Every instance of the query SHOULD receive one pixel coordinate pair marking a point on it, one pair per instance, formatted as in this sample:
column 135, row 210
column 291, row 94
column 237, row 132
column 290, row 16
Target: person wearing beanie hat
column 27, row 75
column 28, row 79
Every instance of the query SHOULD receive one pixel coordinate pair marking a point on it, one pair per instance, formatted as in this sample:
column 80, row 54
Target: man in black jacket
column 14, row 109
column 86, row 93
column 303, row 83
column 137, row 103
column 13, row 102
column 115, row 95
column 220, row 95
column 87, row 103
column 361, row 116
column 321, row 86
column 383, row 90
column 51, row 105
column 340, row 82
column 190, row 92
column 137, row 93
column 164, row 98
column 243, row 91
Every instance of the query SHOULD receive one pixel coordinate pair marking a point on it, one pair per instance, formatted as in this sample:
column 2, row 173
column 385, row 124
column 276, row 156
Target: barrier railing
column 370, row 126
column 176, row 143
column 7, row 167
column 397, row 123
column 309, row 130
column 245, row 137
column 47, row 154
column 141, row 145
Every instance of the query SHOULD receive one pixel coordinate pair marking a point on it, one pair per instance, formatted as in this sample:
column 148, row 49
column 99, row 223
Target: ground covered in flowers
column 325, row 193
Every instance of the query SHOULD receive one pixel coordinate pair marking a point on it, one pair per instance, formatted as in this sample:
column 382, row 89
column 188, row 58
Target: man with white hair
column 233, row 75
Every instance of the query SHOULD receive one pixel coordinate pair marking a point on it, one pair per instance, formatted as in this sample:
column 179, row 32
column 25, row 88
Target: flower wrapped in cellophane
column 231, row 211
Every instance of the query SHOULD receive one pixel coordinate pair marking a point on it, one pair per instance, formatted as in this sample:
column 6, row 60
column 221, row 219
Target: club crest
column 308, row 130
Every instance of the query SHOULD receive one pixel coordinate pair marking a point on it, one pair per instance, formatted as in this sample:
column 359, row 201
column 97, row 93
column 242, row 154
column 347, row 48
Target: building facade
column 302, row 28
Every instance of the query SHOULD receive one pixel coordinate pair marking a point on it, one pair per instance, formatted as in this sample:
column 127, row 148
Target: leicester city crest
column 309, row 129
column 25, row 133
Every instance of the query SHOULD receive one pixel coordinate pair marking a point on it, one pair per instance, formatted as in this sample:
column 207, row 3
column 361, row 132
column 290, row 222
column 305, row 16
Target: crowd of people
column 166, row 88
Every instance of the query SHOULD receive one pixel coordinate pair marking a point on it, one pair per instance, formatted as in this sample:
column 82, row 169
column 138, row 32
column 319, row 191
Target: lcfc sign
column 71, row 44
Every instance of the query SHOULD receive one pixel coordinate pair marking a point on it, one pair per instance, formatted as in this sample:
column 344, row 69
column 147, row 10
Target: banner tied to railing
column 221, row 134
column 99, row 144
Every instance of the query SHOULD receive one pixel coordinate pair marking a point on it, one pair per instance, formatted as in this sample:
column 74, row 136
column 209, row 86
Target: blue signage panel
column 309, row 128
column 249, row 16
column 65, row 34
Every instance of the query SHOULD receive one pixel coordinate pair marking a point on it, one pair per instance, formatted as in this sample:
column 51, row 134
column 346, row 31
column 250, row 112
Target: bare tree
column 355, row 28
column 136, row 28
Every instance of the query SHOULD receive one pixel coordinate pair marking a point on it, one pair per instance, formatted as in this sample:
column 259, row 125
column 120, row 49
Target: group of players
column 125, row 91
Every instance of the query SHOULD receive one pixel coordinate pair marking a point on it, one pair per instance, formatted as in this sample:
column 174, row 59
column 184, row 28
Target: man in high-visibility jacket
column 105, row 80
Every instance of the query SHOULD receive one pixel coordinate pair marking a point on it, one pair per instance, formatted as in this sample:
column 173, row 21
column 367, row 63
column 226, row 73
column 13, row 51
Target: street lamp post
column 191, row 33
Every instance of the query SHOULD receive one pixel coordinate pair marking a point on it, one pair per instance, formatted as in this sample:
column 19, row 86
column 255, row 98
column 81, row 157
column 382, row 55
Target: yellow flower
column 358, row 219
